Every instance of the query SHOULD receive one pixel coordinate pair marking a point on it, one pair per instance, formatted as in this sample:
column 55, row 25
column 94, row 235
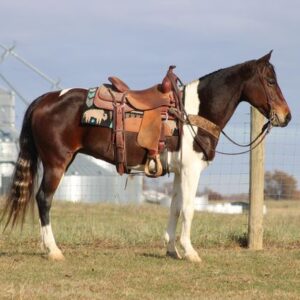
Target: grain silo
column 8, row 138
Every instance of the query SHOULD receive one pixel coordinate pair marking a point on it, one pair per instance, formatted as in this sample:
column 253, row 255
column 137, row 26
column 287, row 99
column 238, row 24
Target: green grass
column 117, row 252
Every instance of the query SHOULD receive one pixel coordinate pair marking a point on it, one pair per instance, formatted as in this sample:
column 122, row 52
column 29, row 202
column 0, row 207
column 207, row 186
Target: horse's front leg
column 189, row 183
column 175, row 209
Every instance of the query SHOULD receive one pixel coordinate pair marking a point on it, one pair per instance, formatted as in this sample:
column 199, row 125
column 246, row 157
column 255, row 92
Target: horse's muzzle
column 280, row 121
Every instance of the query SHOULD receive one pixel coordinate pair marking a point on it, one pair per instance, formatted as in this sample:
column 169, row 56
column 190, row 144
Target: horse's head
column 263, row 92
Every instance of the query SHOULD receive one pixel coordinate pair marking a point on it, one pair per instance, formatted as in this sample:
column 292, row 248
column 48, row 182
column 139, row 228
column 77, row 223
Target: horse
column 52, row 134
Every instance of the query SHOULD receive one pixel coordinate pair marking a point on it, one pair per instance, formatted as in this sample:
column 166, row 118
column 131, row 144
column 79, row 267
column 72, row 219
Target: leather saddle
column 153, row 104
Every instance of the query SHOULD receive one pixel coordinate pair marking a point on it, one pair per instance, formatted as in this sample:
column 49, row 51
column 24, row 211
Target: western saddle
column 156, row 105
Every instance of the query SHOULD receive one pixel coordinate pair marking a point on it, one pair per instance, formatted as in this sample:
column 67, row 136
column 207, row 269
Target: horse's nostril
column 288, row 118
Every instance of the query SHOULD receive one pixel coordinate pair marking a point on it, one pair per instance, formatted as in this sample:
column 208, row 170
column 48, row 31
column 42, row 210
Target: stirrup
column 153, row 166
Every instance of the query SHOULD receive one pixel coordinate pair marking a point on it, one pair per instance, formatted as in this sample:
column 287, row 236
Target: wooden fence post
column 256, row 198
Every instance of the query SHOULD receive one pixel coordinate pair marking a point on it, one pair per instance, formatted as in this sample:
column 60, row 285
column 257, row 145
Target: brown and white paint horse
column 52, row 134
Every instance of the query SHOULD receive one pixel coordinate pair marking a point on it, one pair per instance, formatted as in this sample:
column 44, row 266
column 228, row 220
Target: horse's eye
column 271, row 81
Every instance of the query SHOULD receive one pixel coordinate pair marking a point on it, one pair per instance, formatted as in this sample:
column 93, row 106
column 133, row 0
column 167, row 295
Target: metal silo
column 7, row 109
column 8, row 138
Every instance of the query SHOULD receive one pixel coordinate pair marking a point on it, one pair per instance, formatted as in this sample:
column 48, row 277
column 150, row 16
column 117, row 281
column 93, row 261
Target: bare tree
column 280, row 185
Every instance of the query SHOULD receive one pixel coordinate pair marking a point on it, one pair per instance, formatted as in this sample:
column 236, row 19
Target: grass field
column 117, row 252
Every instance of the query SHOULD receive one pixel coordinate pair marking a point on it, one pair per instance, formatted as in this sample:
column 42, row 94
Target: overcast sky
column 82, row 42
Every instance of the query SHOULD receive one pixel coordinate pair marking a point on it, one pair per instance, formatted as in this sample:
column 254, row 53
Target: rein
column 267, row 126
column 265, row 130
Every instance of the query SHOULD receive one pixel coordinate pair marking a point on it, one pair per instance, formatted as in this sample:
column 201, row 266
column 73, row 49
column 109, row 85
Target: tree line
column 279, row 185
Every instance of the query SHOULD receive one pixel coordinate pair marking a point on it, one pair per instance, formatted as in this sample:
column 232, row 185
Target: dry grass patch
column 117, row 252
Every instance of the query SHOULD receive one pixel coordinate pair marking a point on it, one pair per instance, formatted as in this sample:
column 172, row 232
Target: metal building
column 92, row 180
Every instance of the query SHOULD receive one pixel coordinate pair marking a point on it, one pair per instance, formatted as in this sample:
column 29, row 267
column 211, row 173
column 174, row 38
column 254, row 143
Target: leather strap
column 119, row 136
column 205, row 124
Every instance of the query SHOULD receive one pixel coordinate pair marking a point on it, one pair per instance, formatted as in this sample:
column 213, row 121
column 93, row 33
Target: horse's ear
column 266, row 58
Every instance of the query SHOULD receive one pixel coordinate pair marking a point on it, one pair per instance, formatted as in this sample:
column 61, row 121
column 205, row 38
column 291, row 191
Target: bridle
column 263, row 80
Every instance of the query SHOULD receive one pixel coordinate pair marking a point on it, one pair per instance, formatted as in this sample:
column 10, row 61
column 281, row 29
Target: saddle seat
column 147, row 99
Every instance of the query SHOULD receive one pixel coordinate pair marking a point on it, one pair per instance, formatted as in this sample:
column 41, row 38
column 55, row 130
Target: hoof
column 174, row 254
column 193, row 257
column 56, row 256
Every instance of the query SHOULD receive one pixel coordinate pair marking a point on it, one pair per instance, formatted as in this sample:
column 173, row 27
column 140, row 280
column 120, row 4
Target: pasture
column 117, row 252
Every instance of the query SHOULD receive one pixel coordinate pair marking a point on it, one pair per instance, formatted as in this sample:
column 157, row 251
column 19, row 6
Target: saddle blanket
column 95, row 116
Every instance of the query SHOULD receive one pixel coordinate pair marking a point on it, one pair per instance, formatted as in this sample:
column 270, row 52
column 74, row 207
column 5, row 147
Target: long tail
column 21, row 192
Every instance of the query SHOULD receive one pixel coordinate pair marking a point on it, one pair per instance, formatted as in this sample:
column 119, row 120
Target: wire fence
column 228, row 176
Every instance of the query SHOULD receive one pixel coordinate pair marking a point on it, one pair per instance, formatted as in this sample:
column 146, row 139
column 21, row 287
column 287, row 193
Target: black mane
column 210, row 74
column 245, row 68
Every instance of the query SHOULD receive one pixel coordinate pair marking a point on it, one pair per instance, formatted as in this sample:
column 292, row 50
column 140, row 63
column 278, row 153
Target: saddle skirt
column 99, row 112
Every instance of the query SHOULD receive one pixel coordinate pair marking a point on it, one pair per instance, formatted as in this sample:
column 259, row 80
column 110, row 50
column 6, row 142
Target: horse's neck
column 213, row 99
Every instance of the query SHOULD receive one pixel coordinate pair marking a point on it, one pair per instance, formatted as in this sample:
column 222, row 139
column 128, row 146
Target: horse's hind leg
column 49, row 184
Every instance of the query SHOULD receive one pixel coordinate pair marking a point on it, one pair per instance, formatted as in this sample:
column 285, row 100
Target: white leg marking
column 49, row 243
column 62, row 92
column 189, row 183
column 170, row 235
column 187, row 165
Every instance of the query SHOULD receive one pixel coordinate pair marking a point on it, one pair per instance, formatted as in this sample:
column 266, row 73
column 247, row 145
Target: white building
column 92, row 180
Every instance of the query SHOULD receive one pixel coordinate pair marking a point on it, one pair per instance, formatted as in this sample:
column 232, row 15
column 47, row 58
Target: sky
column 83, row 42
